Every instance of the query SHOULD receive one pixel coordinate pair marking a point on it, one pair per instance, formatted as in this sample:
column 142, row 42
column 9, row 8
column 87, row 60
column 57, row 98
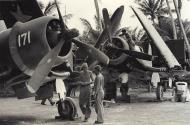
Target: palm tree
column 152, row 8
column 90, row 34
column 186, row 25
column 165, row 28
column 179, row 6
column 48, row 9
column 99, row 22
column 172, row 20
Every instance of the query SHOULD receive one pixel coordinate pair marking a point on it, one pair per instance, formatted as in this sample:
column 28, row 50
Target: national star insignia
column 20, row 16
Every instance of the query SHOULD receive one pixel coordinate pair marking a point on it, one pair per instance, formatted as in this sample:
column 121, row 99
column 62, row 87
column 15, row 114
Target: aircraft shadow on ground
column 15, row 120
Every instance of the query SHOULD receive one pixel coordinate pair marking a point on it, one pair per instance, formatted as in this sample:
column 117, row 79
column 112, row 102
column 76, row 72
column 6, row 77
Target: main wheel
column 149, row 87
column 67, row 108
column 175, row 98
column 183, row 99
column 160, row 92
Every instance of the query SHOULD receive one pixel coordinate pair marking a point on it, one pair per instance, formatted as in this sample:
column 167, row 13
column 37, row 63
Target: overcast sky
column 85, row 9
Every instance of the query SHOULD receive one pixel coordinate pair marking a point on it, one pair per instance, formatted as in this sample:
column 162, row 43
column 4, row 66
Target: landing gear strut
column 160, row 92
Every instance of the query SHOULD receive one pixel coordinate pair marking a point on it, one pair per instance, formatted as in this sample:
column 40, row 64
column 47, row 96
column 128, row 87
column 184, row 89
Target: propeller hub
column 116, row 57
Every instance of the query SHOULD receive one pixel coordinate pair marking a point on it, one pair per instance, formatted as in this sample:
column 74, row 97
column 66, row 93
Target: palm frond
column 86, row 23
column 68, row 16
column 50, row 6
column 41, row 5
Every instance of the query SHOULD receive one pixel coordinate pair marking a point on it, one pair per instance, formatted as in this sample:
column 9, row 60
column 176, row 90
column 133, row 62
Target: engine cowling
column 116, row 57
column 29, row 42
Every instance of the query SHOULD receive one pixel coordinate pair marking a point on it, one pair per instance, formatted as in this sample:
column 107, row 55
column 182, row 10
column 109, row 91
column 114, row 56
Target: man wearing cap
column 86, row 78
column 99, row 94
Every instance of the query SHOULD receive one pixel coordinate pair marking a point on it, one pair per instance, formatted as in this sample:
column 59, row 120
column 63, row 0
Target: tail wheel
column 160, row 92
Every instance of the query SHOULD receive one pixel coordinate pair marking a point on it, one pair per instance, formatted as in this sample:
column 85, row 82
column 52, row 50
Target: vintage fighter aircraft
column 35, row 49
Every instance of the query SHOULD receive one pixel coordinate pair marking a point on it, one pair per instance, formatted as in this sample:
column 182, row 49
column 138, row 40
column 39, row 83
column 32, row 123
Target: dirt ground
column 143, row 110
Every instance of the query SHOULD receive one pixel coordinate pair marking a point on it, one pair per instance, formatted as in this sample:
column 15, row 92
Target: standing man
column 110, row 79
column 86, row 78
column 99, row 94
column 123, row 79
column 46, row 92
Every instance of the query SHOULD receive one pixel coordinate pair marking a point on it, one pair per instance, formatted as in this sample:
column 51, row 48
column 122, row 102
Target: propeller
column 114, row 23
column 46, row 63
column 135, row 54
column 93, row 52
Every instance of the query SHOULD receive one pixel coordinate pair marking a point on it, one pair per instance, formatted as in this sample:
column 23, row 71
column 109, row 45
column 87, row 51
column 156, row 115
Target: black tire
column 183, row 99
column 149, row 87
column 175, row 98
column 160, row 93
column 64, row 109
column 67, row 109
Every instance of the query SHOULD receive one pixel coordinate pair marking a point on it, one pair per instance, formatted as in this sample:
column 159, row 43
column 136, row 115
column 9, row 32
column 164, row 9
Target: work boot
column 52, row 103
column 43, row 103
column 85, row 120
column 97, row 122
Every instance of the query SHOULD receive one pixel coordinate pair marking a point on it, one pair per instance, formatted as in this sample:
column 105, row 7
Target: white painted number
column 24, row 39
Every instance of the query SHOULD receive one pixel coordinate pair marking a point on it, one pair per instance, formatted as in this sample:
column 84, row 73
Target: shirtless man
column 99, row 95
column 86, row 78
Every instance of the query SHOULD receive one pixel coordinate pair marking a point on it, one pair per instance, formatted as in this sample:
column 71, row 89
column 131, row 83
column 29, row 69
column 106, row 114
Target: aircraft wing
column 12, row 11
column 158, row 41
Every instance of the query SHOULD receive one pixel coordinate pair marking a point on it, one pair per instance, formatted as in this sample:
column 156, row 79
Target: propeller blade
column 136, row 54
column 43, row 68
column 93, row 52
column 107, row 23
column 116, row 18
column 114, row 24
column 60, row 17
